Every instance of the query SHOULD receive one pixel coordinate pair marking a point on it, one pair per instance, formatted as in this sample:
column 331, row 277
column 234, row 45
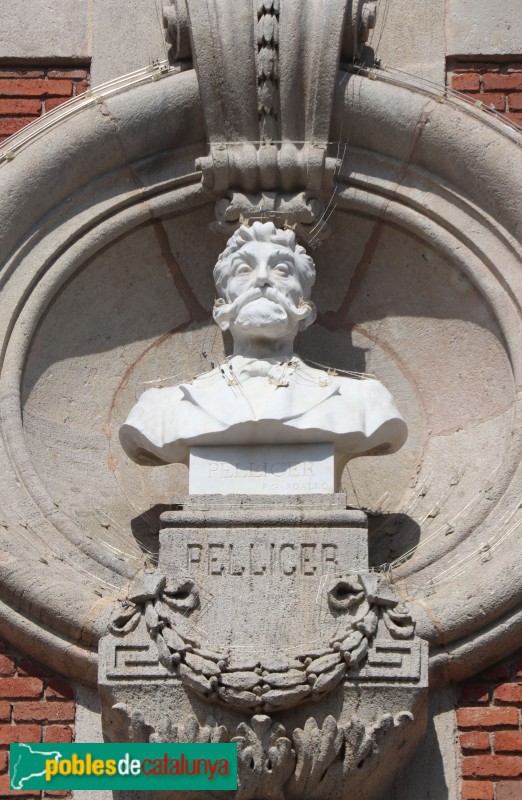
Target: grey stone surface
column 46, row 30
column 87, row 728
column 327, row 510
column 418, row 284
column 410, row 35
column 449, row 176
column 434, row 771
column 125, row 39
column 456, row 307
column 439, row 269
column 478, row 28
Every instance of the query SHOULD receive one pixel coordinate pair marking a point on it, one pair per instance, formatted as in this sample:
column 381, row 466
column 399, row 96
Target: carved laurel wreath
column 267, row 682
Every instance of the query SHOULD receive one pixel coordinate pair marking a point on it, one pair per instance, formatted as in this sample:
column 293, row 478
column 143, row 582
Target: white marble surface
column 276, row 469
column 232, row 405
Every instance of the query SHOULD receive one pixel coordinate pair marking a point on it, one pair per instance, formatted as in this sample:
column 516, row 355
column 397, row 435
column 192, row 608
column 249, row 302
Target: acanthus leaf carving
column 129, row 724
column 190, row 731
column 265, row 758
column 306, row 764
column 302, row 211
column 316, row 749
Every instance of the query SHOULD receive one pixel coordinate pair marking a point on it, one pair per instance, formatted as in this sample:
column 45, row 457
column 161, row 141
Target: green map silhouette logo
column 29, row 763
column 113, row 766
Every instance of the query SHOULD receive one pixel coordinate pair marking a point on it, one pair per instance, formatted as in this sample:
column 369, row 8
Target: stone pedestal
column 262, row 625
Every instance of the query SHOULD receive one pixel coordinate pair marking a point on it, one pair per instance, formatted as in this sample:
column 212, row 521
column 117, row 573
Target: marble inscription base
column 267, row 469
column 262, row 625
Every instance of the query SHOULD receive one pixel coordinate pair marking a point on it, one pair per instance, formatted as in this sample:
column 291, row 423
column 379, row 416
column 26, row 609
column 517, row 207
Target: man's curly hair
column 265, row 232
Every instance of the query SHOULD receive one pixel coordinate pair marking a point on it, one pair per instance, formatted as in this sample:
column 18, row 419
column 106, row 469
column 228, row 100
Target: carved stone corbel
column 266, row 72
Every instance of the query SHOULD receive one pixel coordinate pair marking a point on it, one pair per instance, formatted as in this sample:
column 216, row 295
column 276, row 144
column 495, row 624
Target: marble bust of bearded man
column 264, row 393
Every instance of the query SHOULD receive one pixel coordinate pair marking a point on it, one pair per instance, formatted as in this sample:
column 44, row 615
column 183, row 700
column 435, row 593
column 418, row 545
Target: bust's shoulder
column 156, row 394
column 207, row 378
column 321, row 376
column 354, row 387
column 159, row 395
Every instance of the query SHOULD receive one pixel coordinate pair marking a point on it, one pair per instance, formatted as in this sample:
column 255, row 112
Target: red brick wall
column 35, row 706
column 26, row 93
column 495, row 84
column 489, row 719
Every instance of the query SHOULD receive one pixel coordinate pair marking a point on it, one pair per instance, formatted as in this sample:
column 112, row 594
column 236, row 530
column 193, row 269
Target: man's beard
column 263, row 309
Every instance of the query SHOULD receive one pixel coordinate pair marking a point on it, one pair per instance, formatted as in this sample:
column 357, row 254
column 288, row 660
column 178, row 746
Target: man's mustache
column 224, row 312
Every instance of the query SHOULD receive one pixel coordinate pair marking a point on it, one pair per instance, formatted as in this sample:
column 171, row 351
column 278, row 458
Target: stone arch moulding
column 429, row 171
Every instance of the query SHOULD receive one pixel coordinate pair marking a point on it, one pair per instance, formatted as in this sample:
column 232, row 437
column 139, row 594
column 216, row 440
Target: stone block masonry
column 28, row 92
column 489, row 720
column 496, row 84
column 35, row 706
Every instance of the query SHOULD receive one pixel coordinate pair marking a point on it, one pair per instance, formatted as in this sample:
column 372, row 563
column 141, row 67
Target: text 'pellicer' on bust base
column 266, row 469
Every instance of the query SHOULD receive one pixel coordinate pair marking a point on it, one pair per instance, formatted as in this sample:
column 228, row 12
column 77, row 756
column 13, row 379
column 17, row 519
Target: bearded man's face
column 263, row 293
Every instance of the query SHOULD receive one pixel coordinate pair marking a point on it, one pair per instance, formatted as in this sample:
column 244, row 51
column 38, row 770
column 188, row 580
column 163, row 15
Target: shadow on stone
column 434, row 771
column 391, row 536
column 145, row 529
